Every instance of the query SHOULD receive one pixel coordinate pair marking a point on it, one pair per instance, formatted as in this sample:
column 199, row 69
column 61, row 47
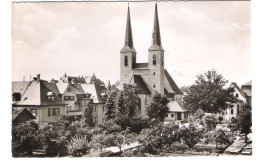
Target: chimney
column 38, row 77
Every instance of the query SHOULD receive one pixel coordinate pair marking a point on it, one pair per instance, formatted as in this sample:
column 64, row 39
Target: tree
column 191, row 135
column 110, row 106
column 88, row 115
column 25, row 139
column 244, row 122
column 158, row 107
column 209, row 93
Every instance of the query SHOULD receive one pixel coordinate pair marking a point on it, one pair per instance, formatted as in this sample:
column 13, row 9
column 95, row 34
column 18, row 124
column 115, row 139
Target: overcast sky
column 82, row 38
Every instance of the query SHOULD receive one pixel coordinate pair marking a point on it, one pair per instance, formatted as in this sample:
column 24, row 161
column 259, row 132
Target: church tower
column 128, row 53
column 156, row 57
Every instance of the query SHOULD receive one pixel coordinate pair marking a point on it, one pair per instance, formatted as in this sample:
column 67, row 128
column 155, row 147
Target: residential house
column 40, row 97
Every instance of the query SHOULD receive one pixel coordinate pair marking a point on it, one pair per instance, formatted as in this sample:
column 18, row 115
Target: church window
column 154, row 86
column 153, row 73
column 126, row 61
column 154, row 59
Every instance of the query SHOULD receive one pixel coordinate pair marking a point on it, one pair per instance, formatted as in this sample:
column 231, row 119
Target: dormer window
column 126, row 61
column 154, row 59
column 50, row 96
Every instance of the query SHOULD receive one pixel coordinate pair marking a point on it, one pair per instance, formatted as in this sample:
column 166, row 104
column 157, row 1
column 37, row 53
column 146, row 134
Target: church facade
column 149, row 77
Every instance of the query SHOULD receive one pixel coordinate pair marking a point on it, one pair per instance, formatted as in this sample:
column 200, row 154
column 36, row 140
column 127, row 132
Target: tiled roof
column 36, row 94
column 140, row 66
column 19, row 86
column 173, row 86
column 248, row 84
column 174, row 106
column 77, row 79
column 141, row 86
column 91, row 89
column 248, row 92
column 17, row 110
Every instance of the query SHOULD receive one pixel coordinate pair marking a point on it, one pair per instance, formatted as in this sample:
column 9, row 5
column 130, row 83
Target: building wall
column 156, row 81
column 227, row 114
column 43, row 117
column 126, row 71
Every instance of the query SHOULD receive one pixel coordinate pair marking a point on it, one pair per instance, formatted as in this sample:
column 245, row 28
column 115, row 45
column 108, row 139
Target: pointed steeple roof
column 156, row 44
column 129, row 46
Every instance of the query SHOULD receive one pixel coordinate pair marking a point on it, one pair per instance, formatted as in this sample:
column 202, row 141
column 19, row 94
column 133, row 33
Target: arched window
column 154, row 59
column 126, row 61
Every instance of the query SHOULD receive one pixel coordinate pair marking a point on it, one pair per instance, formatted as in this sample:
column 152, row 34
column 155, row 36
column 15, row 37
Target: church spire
column 156, row 44
column 129, row 46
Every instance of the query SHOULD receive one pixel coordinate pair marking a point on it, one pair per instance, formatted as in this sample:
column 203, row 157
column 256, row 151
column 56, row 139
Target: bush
column 25, row 139
column 78, row 146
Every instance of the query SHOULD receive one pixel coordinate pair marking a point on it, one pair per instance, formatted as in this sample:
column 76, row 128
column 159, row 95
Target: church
column 150, row 77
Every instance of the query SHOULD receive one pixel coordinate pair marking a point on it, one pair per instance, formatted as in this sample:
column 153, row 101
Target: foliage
column 110, row 106
column 88, row 115
column 208, row 93
column 78, row 146
column 210, row 122
column 158, row 107
column 219, row 137
column 25, row 139
column 128, row 101
column 244, row 122
column 191, row 135
column 154, row 139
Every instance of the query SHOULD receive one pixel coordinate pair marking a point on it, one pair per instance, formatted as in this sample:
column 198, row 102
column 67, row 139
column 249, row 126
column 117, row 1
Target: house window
column 172, row 115
column 153, row 73
column 178, row 115
column 95, row 108
column 232, row 111
column 154, row 86
column 126, row 61
column 154, row 59
column 69, row 98
column 223, row 113
column 236, row 95
column 237, row 109
column 53, row 111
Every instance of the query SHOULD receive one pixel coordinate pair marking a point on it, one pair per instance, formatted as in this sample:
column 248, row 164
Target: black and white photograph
column 131, row 79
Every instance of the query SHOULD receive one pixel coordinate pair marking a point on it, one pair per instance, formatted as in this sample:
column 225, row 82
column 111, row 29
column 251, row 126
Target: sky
column 82, row 38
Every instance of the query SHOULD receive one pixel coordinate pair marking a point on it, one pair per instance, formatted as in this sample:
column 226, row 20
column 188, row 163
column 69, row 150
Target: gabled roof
column 62, row 87
column 141, row 86
column 36, row 94
column 76, row 79
column 16, row 111
column 170, row 85
column 239, row 89
column 140, row 66
column 95, row 94
column 174, row 106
